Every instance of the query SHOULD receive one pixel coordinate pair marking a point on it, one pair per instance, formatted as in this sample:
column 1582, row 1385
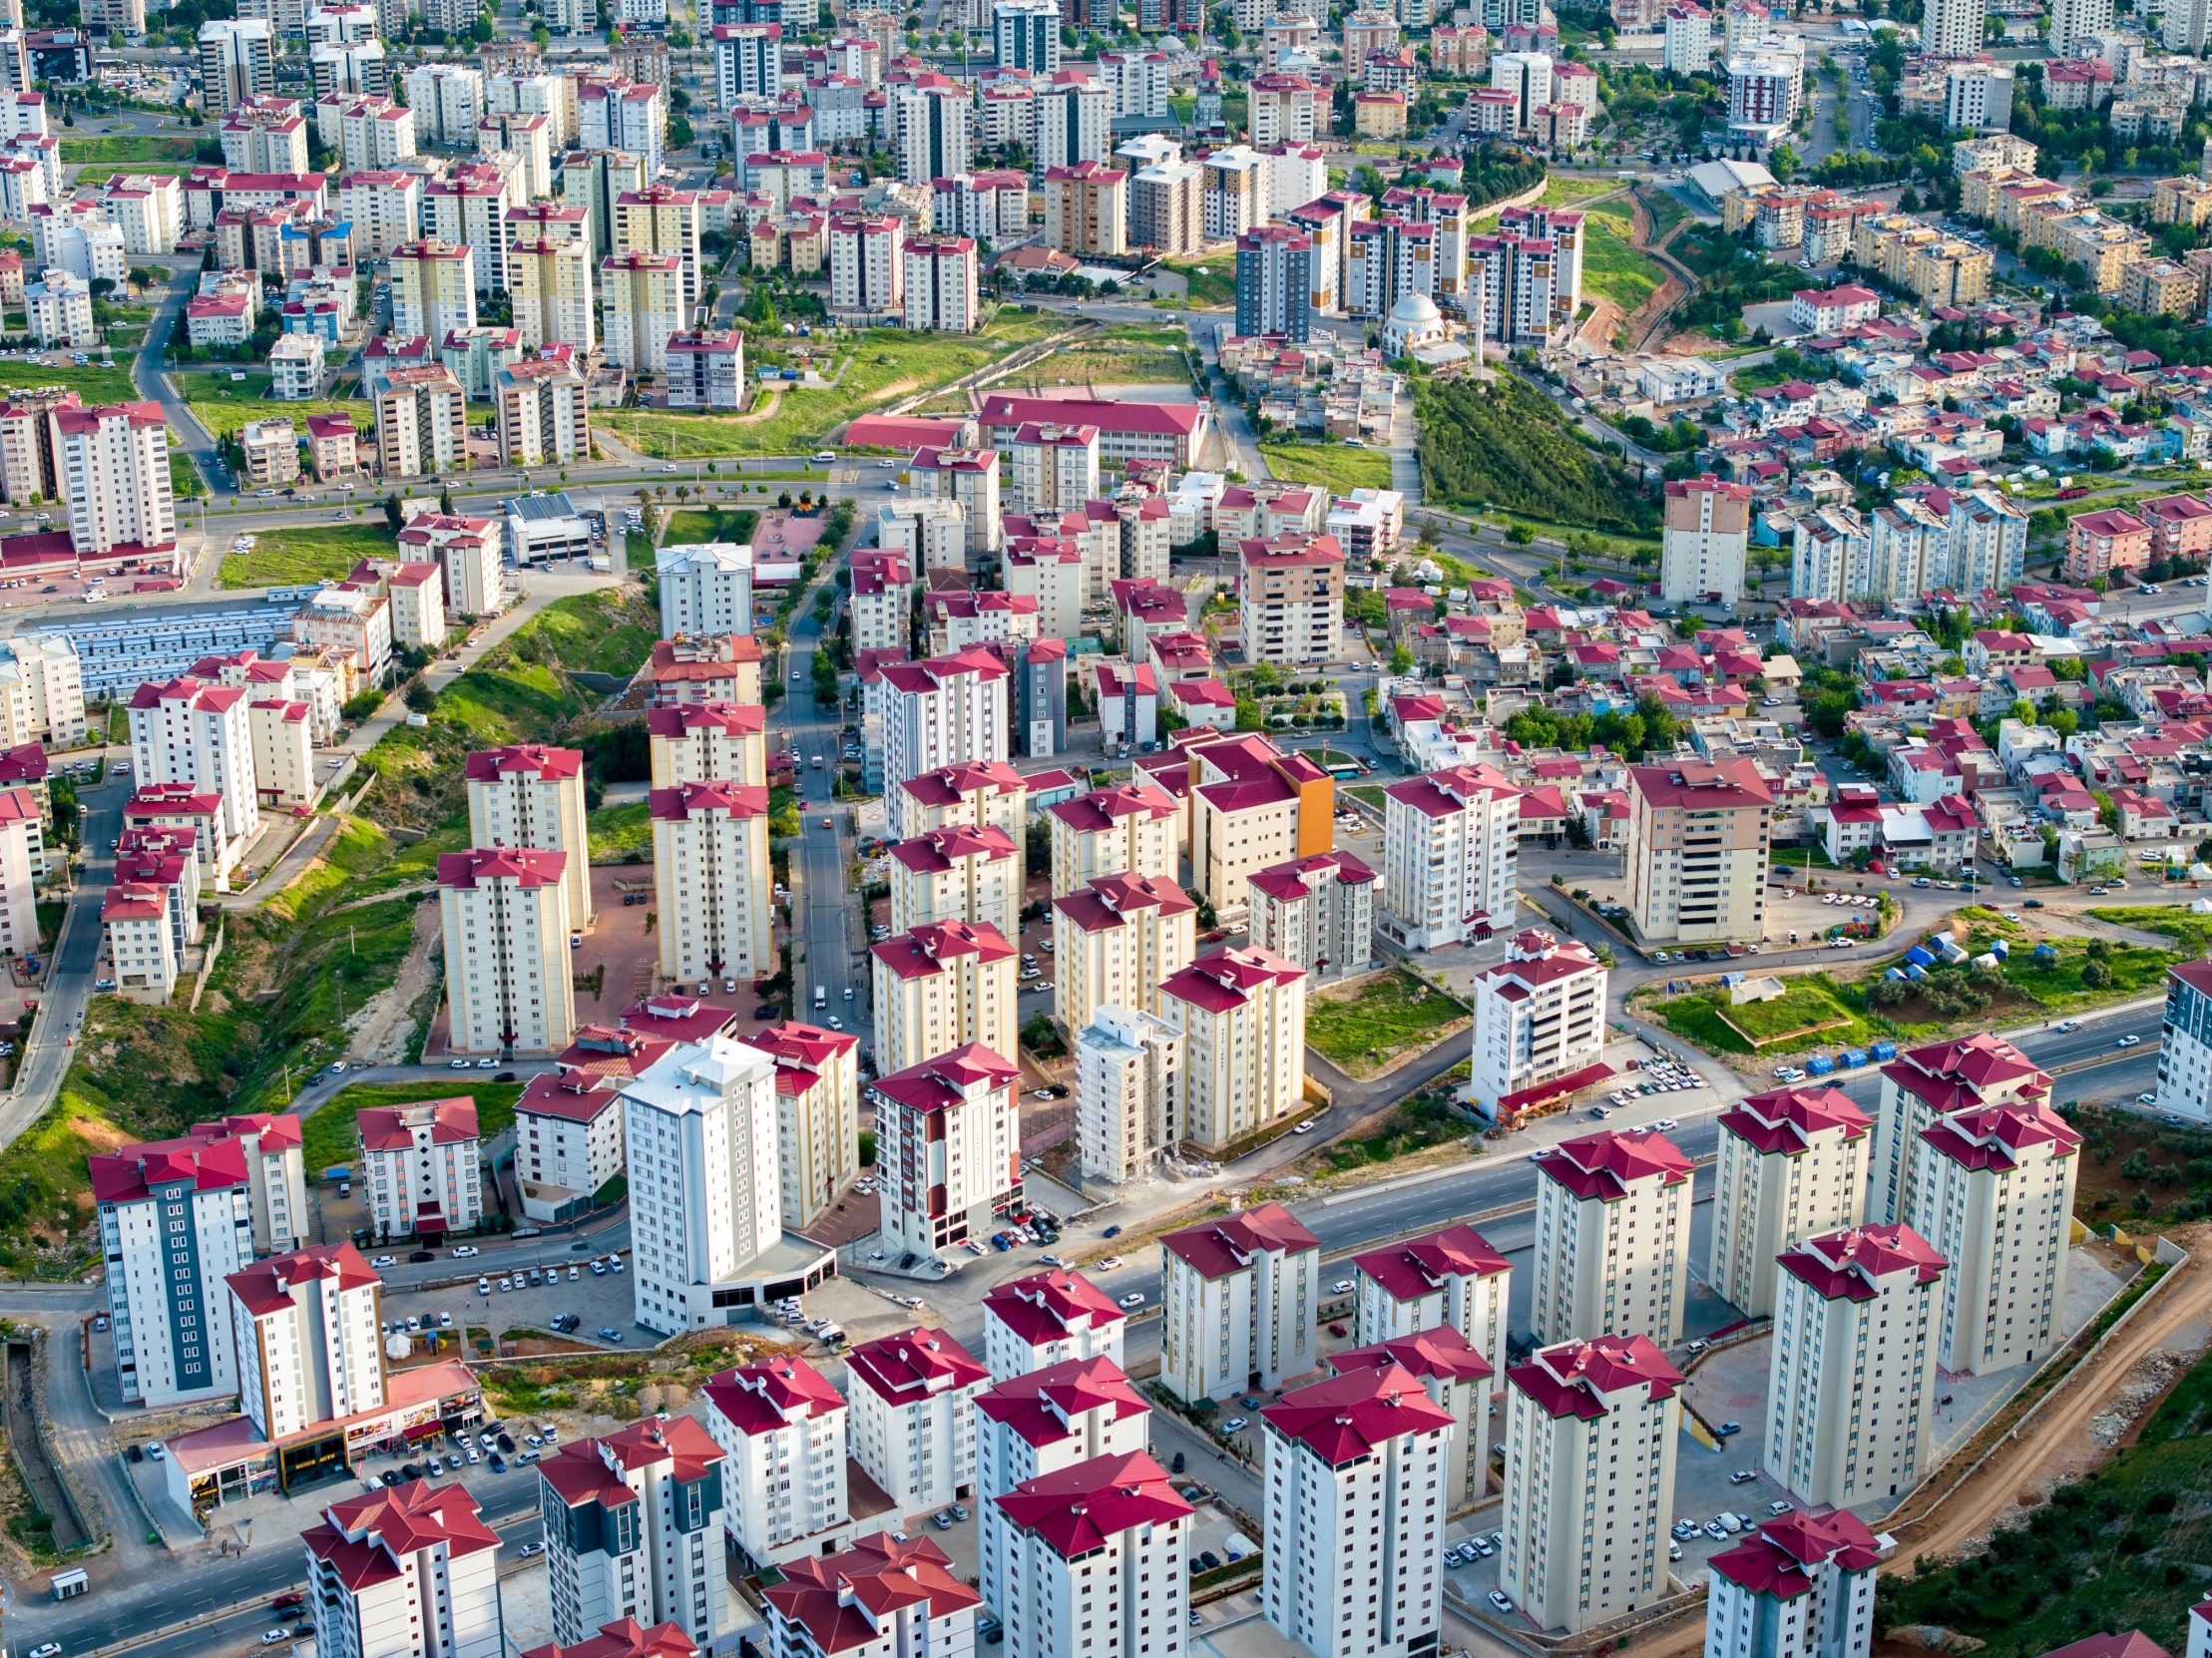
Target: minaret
column 2204, row 166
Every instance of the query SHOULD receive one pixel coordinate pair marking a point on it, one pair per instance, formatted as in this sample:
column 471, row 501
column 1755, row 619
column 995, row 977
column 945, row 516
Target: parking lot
column 596, row 1301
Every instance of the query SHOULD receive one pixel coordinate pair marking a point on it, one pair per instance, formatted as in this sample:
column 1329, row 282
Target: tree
column 391, row 512
column 420, row 696
column 1401, row 661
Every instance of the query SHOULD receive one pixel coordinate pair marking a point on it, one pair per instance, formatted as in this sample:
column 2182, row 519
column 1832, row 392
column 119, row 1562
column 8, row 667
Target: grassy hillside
column 2116, row 1552
column 1502, row 442
column 295, row 970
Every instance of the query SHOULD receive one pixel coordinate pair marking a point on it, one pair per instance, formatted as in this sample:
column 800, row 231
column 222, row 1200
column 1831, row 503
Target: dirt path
column 2059, row 1446
column 1651, row 316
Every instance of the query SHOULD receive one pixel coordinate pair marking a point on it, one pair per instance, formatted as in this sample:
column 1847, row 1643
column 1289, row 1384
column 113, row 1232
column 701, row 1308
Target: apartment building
column 142, row 944
column 1451, row 1279
column 1923, row 1085
column 978, row 795
column 2185, row 1043
column 711, row 881
column 112, row 468
column 421, row 422
column 1456, row 1378
column 1852, row 1399
column 54, row 684
column 881, row 601
column 509, row 984
column 191, row 1198
column 308, row 1333
column 1087, row 209
column 939, row 283
column 1613, row 1238
column 545, row 414
column 957, row 873
column 942, row 986
column 1793, row 1163
column 880, row 1596
column 1109, row 1538
column 420, row 1166
column 1048, row 1319
column 711, row 742
column 949, row 1148
column 1540, row 1023
column 186, row 732
column 1354, row 1469
column 1252, row 806
column 817, row 1093
column 1129, row 1091
column 700, row 1129
column 1317, row 912
column 914, row 1417
column 531, row 795
column 867, row 267
column 705, row 589
column 1290, row 590
column 567, row 1140
column 1707, row 533
column 643, row 307
column 1242, row 1015
column 1799, row 1586
column 1451, row 856
column 785, row 1432
column 633, row 1528
column 1238, row 1299
column 1697, row 851
column 410, row 1571
column 1590, row 1433
column 950, row 710
column 1125, row 829
column 433, row 289
column 1996, row 1202
column 1118, row 941
column 969, row 478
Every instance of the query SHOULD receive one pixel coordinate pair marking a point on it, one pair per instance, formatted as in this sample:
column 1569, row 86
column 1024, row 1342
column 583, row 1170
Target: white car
column 1499, row 1602
column 385, row 1261
column 2127, row 1041
column 1132, row 1300
column 826, row 458
column 465, row 1250
column 1302, row 1128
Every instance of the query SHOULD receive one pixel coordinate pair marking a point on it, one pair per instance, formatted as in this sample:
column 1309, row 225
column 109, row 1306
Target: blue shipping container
column 1820, row 1065
column 1884, row 1051
column 1852, row 1058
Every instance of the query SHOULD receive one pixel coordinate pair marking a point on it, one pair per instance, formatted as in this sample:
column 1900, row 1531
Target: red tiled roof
column 1846, row 1263
column 1217, row 1248
column 1604, row 1164
column 1579, row 1377
column 914, row 1364
column 841, row 1600
column 1076, row 1510
column 1350, row 1415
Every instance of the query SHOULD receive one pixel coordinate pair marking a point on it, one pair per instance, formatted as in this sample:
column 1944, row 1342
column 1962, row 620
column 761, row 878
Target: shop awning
column 424, row 1430
column 429, row 1225
column 1573, row 1081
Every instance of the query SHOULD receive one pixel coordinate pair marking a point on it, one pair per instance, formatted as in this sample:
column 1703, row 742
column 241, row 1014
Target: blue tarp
column 1884, row 1051
column 1919, row 957
column 1852, row 1058
column 1820, row 1065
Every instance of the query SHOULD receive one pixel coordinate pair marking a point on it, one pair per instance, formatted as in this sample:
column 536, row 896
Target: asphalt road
column 74, row 968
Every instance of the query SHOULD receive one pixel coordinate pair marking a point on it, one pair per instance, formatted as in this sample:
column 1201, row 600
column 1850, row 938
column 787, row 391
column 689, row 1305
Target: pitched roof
column 1217, row 1248
column 362, row 1537
column 1439, row 1352
column 1042, row 1406
column 842, row 1600
column 1579, row 1377
column 1044, row 1306
column 1411, row 1270
column 1077, row 1509
column 1602, row 1166
column 265, row 1286
column 1350, row 1415
column 1847, row 1264
column 914, row 1364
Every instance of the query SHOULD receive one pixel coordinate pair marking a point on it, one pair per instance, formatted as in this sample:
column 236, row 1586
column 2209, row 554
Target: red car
column 287, row 1603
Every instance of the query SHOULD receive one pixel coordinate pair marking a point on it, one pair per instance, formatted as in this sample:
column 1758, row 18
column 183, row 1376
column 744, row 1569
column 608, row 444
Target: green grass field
column 101, row 174
column 1342, row 470
column 283, row 558
column 2110, row 1554
column 1563, row 189
column 615, row 830
column 183, row 477
column 689, row 525
column 332, row 1135
column 1786, row 1025
column 227, row 416
column 889, row 365
column 1392, row 1015
column 1613, row 270
column 127, row 148
column 94, row 385
column 1126, row 355
column 1212, row 280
